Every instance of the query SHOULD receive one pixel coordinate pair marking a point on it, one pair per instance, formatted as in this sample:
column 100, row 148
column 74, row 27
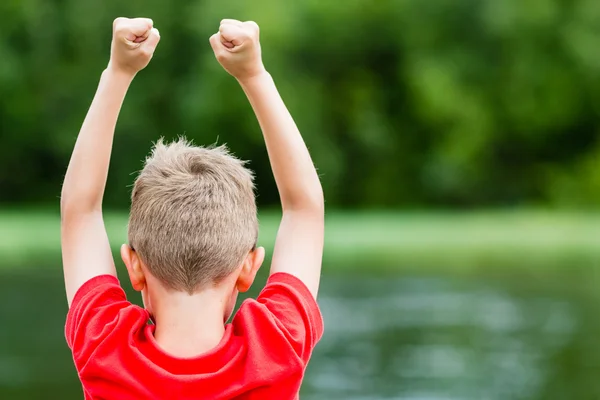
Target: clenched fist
column 133, row 44
column 237, row 48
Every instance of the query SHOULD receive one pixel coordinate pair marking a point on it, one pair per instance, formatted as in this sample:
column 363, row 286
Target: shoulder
column 284, row 312
column 100, row 296
column 99, row 309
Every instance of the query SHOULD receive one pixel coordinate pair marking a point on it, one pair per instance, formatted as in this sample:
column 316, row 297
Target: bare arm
column 299, row 244
column 85, row 248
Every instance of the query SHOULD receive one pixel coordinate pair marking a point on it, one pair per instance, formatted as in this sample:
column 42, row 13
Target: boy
column 192, row 235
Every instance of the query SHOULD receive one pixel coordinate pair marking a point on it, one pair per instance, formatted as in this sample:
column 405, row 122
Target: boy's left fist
column 133, row 44
column 237, row 48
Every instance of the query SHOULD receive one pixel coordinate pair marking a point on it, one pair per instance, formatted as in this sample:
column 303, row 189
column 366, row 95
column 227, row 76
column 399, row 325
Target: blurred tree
column 403, row 102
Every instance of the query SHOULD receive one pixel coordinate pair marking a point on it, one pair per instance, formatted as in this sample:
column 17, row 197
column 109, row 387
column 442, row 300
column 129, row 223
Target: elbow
column 68, row 205
column 65, row 202
column 68, row 202
column 76, row 205
column 311, row 201
column 316, row 200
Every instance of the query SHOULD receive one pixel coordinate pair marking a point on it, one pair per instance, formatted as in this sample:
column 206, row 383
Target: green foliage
column 402, row 102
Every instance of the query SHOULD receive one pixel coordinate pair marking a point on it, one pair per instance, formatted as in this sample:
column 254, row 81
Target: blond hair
column 193, row 214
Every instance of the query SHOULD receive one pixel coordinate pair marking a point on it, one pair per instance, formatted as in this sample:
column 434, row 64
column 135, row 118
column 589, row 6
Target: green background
column 458, row 146
column 404, row 103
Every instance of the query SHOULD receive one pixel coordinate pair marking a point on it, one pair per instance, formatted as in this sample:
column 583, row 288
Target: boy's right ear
column 134, row 267
column 249, row 269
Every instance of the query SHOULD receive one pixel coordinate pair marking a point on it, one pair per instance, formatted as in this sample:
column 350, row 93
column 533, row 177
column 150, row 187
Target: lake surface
column 490, row 335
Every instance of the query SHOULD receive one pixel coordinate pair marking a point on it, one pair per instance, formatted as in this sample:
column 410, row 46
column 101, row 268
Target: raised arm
column 85, row 248
column 299, row 244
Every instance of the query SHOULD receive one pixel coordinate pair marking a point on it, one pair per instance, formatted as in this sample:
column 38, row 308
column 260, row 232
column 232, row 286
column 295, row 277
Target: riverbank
column 375, row 240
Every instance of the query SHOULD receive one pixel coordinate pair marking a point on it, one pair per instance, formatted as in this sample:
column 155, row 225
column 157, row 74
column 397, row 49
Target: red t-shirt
column 262, row 355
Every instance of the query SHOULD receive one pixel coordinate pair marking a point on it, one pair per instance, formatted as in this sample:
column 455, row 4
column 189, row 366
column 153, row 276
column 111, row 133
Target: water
column 444, row 336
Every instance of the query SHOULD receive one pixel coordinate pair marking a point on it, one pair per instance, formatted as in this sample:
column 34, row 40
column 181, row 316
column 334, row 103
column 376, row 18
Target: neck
column 188, row 325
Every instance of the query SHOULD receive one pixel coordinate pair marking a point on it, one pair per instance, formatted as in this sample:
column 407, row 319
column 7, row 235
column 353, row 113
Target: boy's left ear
column 250, row 268
column 134, row 267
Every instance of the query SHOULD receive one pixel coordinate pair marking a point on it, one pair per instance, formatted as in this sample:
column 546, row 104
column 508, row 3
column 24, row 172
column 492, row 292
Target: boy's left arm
column 86, row 250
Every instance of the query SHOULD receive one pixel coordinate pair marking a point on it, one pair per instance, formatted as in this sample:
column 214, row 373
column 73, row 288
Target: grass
column 375, row 240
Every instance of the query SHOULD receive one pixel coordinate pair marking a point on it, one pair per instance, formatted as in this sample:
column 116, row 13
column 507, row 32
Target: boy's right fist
column 133, row 44
column 237, row 48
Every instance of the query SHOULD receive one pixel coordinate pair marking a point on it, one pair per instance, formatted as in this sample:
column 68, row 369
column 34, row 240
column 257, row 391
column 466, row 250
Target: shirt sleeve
column 295, row 310
column 93, row 314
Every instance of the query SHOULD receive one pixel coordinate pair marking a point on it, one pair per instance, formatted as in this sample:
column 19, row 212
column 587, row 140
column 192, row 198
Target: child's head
column 193, row 219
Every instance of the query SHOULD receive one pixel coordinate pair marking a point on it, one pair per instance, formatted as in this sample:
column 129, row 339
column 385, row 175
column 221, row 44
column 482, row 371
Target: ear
column 250, row 267
column 134, row 267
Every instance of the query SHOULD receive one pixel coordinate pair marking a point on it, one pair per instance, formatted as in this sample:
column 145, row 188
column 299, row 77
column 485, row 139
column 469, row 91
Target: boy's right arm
column 85, row 248
column 299, row 245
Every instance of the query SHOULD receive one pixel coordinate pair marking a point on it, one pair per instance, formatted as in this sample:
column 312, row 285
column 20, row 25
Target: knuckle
column 252, row 25
column 121, row 29
column 146, row 21
column 146, row 52
column 221, row 56
column 118, row 22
